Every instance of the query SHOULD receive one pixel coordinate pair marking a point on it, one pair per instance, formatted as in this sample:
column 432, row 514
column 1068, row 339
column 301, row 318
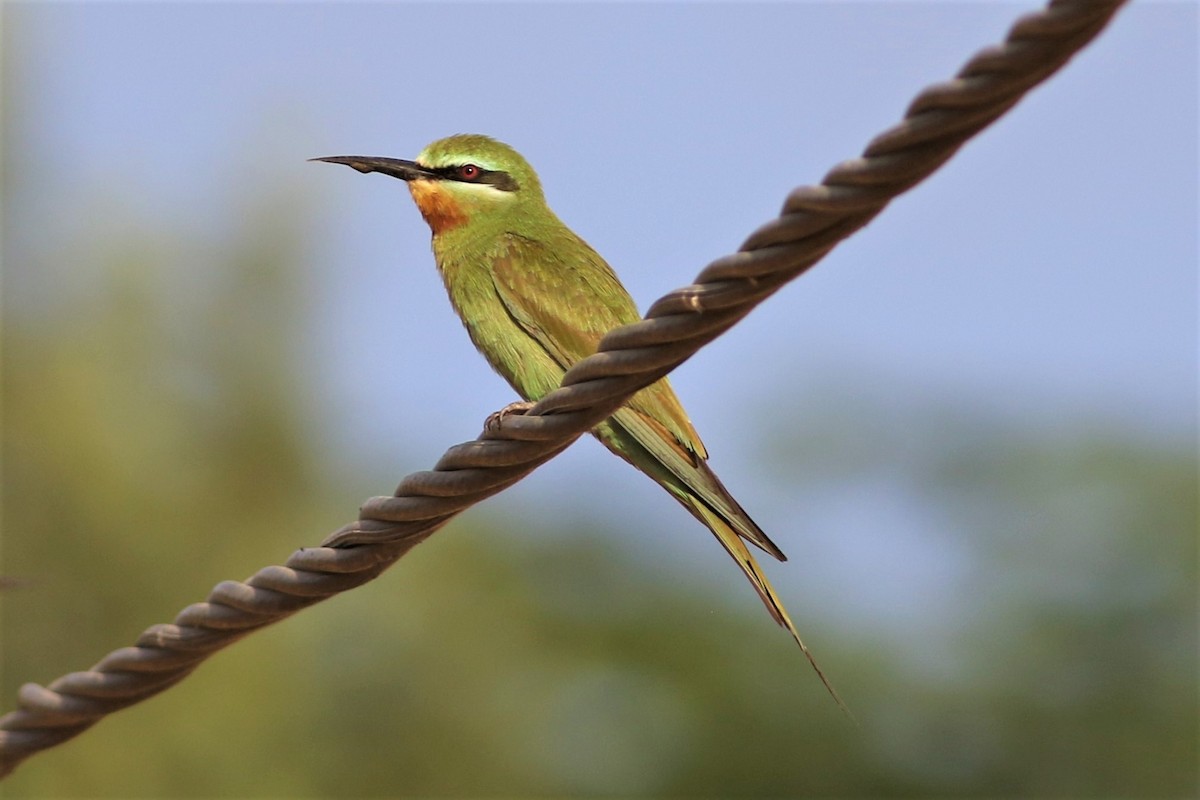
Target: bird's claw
column 496, row 418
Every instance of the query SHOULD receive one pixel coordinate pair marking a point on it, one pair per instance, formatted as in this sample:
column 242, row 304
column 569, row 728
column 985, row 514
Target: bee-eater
column 535, row 298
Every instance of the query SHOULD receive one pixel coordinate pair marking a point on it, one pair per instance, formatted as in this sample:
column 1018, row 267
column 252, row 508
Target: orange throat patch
column 437, row 205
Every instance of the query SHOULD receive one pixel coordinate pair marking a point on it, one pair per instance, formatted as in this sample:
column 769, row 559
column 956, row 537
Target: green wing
column 567, row 306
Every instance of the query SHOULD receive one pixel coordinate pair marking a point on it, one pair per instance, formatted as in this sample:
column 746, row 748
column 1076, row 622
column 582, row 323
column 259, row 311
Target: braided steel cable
column 813, row 220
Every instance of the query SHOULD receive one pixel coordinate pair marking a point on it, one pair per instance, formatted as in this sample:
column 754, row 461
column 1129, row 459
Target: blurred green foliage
column 153, row 445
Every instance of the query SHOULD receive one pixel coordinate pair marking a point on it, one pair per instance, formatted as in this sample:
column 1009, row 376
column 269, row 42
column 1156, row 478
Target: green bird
column 535, row 298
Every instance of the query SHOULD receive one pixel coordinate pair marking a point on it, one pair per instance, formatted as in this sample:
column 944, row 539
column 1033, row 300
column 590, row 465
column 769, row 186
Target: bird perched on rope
column 535, row 298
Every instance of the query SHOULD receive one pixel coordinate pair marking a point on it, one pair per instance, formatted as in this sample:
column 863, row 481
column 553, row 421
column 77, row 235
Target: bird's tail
column 736, row 547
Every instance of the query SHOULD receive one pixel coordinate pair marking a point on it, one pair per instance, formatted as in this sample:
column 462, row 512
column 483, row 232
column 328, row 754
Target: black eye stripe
column 498, row 178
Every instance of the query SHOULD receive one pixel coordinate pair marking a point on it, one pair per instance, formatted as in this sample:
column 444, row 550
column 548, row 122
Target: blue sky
column 1048, row 273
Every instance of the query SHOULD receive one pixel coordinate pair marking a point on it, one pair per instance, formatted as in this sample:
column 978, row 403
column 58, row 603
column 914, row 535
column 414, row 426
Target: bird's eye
column 469, row 172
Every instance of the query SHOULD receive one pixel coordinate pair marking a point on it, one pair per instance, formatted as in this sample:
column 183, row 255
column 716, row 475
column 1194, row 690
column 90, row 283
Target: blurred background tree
column 160, row 434
column 148, row 455
column 154, row 444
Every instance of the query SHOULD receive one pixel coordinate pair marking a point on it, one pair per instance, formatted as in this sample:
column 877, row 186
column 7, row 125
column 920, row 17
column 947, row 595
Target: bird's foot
column 496, row 419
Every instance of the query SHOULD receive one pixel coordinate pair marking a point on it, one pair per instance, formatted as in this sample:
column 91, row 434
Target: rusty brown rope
column 814, row 219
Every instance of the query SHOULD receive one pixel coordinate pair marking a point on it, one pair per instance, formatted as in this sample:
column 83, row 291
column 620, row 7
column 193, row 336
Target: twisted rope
column 814, row 219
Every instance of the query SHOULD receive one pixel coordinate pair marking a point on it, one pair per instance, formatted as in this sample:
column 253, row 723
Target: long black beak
column 396, row 167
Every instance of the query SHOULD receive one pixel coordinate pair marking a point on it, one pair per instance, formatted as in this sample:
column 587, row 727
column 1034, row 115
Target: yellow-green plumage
column 535, row 299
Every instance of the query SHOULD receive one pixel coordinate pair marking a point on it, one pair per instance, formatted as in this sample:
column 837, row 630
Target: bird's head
column 460, row 178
